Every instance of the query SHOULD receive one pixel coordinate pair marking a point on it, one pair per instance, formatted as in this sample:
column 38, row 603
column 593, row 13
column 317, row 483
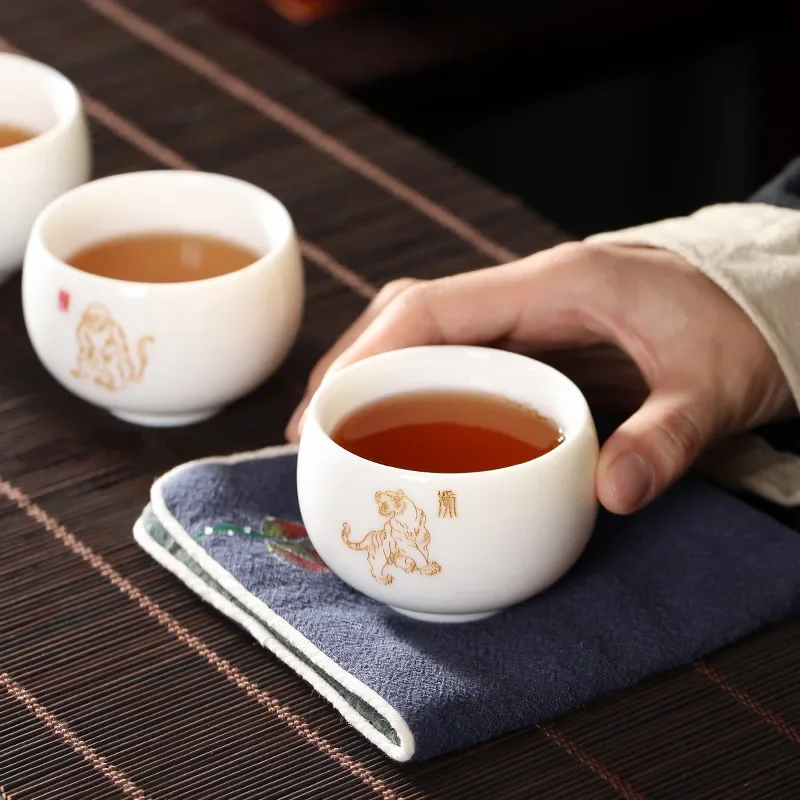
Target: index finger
column 376, row 306
column 536, row 300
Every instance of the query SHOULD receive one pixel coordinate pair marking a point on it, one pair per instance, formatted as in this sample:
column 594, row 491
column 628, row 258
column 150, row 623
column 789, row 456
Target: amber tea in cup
column 13, row 134
column 163, row 257
column 447, row 432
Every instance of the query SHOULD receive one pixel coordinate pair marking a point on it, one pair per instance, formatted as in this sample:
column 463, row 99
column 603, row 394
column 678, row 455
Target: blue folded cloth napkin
column 696, row 570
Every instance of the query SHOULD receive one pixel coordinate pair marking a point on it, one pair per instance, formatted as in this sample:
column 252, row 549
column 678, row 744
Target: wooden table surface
column 116, row 681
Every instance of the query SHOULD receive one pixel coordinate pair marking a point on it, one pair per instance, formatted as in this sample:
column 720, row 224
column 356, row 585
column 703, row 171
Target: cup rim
column 43, row 138
column 540, row 462
column 286, row 228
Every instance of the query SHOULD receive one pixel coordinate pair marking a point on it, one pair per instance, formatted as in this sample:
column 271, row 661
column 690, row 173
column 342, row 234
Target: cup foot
column 166, row 420
column 423, row 617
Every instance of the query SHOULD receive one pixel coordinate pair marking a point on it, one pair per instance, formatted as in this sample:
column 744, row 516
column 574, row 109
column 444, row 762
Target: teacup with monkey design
column 163, row 353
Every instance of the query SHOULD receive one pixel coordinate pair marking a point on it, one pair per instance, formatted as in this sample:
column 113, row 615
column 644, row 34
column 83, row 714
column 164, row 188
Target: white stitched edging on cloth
column 271, row 621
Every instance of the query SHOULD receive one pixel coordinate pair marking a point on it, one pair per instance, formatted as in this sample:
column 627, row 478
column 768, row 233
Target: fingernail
column 631, row 479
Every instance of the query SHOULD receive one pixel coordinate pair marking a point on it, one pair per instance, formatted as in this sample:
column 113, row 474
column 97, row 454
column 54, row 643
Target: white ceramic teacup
column 448, row 547
column 34, row 172
column 163, row 354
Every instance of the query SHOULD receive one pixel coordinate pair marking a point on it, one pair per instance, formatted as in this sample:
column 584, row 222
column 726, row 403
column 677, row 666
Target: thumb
column 652, row 449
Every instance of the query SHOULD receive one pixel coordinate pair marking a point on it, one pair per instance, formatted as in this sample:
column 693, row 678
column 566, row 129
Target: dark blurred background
column 598, row 113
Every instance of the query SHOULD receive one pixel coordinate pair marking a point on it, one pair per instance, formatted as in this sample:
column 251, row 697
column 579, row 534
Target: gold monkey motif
column 103, row 354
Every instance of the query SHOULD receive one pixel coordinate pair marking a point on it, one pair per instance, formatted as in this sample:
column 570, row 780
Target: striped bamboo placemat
column 115, row 681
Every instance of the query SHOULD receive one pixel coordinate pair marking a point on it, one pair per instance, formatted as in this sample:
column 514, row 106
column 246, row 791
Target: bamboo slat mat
column 115, row 680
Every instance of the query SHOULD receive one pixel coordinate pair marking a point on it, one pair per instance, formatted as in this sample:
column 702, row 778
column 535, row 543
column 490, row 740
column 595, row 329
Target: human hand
column 639, row 330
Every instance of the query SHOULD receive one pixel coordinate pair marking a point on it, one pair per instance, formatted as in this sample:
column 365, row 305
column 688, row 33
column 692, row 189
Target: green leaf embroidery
column 283, row 538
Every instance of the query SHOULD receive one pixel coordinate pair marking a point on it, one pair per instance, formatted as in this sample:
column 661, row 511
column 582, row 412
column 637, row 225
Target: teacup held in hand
column 450, row 545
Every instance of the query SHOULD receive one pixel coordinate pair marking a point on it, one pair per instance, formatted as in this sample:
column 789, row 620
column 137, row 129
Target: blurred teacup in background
column 163, row 296
column 45, row 148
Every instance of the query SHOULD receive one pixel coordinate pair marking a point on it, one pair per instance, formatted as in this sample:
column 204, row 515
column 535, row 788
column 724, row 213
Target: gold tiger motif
column 402, row 542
